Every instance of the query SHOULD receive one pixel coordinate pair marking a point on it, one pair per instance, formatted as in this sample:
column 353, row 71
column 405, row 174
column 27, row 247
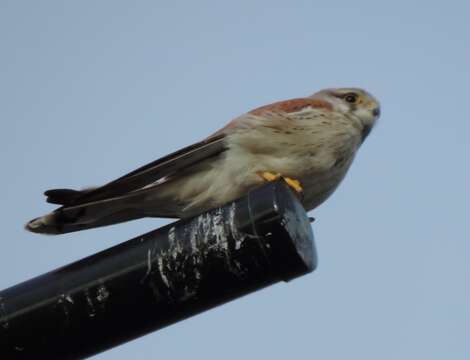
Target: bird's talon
column 268, row 176
column 293, row 184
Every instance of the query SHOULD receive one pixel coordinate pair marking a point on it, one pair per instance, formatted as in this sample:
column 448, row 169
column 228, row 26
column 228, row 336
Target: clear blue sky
column 92, row 89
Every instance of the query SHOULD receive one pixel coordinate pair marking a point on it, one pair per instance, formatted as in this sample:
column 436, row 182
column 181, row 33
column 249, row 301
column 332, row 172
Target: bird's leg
column 293, row 183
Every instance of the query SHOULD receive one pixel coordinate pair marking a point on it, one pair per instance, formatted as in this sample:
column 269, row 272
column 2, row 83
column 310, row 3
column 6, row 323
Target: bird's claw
column 293, row 183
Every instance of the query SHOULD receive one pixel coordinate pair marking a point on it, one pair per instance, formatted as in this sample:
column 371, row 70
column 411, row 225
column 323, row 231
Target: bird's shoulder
column 292, row 106
column 274, row 115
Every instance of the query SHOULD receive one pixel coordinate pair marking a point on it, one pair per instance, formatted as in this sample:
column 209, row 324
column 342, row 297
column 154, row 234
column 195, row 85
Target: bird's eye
column 350, row 98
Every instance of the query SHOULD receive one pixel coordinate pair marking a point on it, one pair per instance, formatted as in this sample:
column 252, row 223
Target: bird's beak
column 376, row 112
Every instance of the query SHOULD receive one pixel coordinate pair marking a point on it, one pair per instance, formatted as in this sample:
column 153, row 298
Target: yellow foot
column 269, row 176
column 294, row 184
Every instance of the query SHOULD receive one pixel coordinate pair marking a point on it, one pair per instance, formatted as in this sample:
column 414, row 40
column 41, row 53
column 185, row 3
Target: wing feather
column 172, row 164
column 143, row 176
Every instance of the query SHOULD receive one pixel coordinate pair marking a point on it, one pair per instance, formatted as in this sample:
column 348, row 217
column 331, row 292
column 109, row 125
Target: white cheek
column 343, row 107
column 339, row 105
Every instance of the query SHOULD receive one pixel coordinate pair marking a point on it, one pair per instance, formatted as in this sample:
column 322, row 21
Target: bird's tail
column 55, row 223
column 86, row 216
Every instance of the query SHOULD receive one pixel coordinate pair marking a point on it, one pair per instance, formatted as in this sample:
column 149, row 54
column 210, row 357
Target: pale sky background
column 92, row 89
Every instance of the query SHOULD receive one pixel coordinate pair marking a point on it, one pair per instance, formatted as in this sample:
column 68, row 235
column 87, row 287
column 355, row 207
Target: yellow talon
column 269, row 176
column 294, row 184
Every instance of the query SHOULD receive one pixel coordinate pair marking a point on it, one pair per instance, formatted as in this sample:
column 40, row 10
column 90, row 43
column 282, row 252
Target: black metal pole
column 158, row 278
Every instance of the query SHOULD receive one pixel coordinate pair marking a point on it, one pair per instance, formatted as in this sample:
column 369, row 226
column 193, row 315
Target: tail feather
column 58, row 222
column 65, row 197
column 69, row 218
column 46, row 224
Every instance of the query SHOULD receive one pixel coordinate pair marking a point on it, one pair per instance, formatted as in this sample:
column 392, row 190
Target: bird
column 309, row 141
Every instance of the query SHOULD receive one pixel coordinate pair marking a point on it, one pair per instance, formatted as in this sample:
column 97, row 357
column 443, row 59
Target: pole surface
column 159, row 278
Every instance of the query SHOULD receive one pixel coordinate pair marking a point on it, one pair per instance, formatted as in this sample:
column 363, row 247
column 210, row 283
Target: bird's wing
column 172, row 165
column 143, row 176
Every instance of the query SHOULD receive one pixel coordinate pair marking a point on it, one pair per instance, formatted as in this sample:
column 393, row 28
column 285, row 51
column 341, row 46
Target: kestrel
column 309, row 141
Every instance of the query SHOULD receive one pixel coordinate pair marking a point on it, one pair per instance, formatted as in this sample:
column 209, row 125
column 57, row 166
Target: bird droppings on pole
column 158, row 278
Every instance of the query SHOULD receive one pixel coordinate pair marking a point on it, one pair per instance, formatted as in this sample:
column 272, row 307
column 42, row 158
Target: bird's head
column 353, row 102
